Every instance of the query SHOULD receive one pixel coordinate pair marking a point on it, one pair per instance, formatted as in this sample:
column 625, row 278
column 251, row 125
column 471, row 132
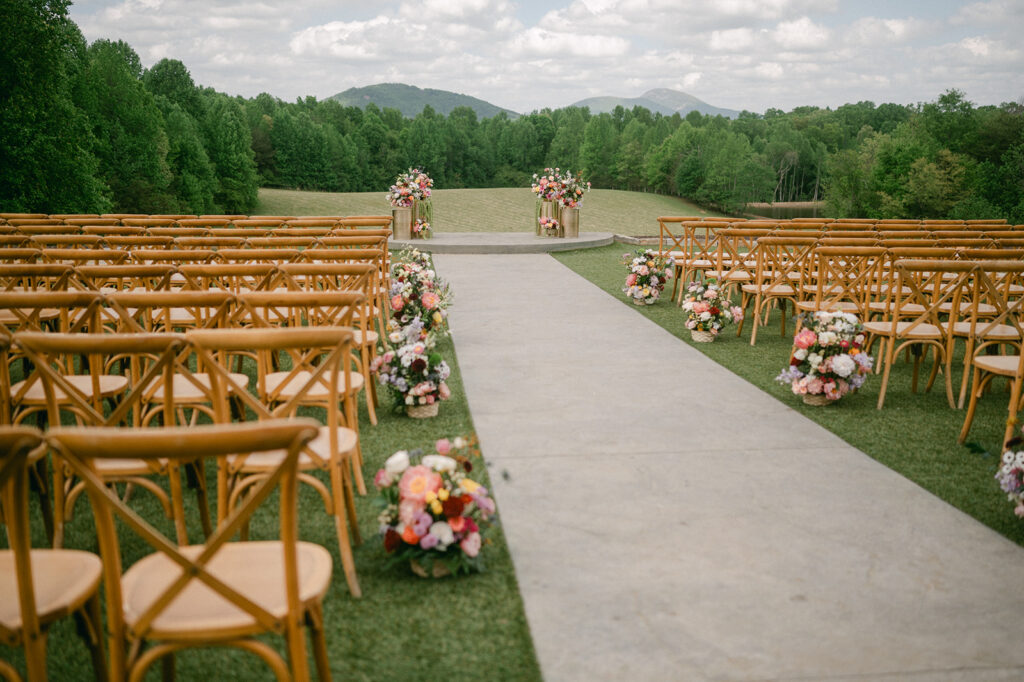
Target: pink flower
column 805, row 339
column 1019, row 510
column 443, row 446
column 701, row 307
column 430, row 300
column 815, row 386
column 408, row 510
column 428, row 541
column 471, row 544
column 630, row 280
column 416, row 482
column 737, row 313
column 397, row 302
column 382, row 479
column 444, row 392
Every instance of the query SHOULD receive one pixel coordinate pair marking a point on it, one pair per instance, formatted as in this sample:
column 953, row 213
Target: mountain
column 410, row 100
column 660, row 100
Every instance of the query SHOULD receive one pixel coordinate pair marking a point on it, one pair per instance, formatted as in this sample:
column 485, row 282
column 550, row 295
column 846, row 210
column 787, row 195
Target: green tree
column 597, row 157
column 192, row 183
column 229, row 146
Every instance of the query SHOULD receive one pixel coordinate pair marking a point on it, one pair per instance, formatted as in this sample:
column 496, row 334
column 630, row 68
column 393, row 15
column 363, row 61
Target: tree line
column 86, row 128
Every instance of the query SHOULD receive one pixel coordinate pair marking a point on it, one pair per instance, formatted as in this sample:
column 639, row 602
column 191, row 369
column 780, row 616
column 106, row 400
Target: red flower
column 391, row 540
column 453, row 507
column 714, row 310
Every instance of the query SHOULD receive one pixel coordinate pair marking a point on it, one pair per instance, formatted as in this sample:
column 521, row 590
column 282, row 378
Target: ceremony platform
column 502, row 242
column 668, row 520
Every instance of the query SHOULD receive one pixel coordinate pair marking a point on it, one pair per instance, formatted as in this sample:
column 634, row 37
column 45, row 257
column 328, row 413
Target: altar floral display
column 434, row 515
column 549, row 225
column 421, row 229
column 413, row 185
column 418, row 298
column 573, row 189
column 647, row 272
column 547, row 186
column 828, row 358
column 415, row 375
column 1011, row 479
column 707, row 310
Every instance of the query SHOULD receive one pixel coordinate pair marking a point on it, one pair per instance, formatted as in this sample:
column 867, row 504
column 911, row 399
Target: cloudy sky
column 530, row 54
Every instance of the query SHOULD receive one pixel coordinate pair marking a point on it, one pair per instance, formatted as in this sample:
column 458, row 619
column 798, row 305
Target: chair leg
column 1011, row 419
column 37, row 480
column 889, row 346
column 348, row 562
column 91, row 631
column 315, row 622
column 178, row 505
column 167, row 668
column 758, row 304
column 976, row 389
column 196, row 473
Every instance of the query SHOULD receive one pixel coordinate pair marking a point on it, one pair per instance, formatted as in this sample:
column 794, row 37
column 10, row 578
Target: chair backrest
column 17, row 445
column 79, row 448
column 84, row 256
column 160, row 311
column 233, row 277
column 281, row 308
column 782, row 261
column 67, row 241
column 924, row 287
column 110, row 278
column 36, row 276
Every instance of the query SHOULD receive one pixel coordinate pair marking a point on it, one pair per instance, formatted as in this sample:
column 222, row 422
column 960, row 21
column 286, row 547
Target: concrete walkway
column 669, row 521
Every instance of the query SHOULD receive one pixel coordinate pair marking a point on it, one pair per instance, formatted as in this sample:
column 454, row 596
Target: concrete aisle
column 669, row 521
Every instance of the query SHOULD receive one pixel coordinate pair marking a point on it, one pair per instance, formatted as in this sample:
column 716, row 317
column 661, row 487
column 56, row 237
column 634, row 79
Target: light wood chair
column 781, row 262
column 842, row 278
column 219, row 593
column 319, row 370
column 38, row 587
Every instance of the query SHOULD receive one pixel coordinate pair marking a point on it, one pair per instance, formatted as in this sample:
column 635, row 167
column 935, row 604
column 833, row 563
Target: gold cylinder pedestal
column 401, row 222
column 546, row 209
column 570, row 222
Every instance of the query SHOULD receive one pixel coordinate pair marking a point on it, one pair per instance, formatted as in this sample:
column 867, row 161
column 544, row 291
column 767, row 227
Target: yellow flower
column 436, row 317
column 469, row 485
column 436, row 507
column 430, row 497
column 442, row 494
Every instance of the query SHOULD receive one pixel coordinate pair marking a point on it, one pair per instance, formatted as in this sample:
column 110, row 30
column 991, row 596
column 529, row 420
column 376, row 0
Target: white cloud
column 802, row 34
column 731, row 39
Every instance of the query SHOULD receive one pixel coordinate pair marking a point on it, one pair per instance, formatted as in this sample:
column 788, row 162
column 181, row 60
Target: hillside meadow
column 509, row 209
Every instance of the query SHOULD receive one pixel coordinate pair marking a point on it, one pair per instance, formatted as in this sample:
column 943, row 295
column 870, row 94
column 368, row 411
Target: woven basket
column 422, row 411
column 817, row 399
column 639, row 301
column 701, row 336
column 439, row 570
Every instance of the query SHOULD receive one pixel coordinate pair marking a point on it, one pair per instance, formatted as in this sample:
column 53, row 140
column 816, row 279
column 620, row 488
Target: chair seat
column 63, row 580
column 843, row 306
column 1005, row 365
column 110, row 385
column 185, row 391
column 984, row 309
column 321, row 445
column 910, row 308
column 320, row 391
column 365, row 338
column 9, row 317
column 254, row 569
column 112, row 468
column 999, row 331
column 770, row 289
column 921, row 331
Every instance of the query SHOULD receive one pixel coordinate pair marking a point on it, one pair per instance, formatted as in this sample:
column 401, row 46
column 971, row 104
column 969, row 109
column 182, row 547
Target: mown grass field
column 491, row 210
column 914, row 434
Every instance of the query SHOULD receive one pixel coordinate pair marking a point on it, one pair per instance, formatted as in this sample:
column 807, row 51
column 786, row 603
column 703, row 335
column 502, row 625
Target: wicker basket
column 701, row 336
column 422, row 411
column 817, row 399
column 439, row 570
column 639, row 301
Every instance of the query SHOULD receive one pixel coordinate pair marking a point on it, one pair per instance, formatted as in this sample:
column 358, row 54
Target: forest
column 85, row 128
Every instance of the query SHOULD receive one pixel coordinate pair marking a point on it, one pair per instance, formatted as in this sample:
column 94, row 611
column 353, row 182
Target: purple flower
column 428, row 541
column 422, row 523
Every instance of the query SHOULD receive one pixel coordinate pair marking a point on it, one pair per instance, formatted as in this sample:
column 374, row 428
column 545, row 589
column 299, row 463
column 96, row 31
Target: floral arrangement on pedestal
column 572, row 190
column 548, row 225
column 647, row 272
column 434, row 515
column 708, row 312
column 418, row 298
column 1011, row 479
column 415, row 375
column 547, row 185
column 828, row 360
column 412, row 189
column 421, row 229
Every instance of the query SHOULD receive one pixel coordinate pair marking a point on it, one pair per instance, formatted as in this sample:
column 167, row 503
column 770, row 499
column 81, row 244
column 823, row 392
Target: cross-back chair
column 779, row 277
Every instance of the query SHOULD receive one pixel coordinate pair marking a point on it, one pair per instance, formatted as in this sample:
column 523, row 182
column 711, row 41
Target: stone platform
column 502, row 242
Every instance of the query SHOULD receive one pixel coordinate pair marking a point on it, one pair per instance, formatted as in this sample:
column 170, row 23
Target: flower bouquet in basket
column 647, row 271
column 415, row 376
column 1011, row 479
column 828, row 359
column 434, row 515
column 548, row 225
column 421, row 229
column 708, row 311
column 418, row 298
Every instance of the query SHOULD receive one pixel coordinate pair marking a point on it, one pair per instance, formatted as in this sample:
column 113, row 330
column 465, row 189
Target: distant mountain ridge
column 661, row 100
column 410, row 100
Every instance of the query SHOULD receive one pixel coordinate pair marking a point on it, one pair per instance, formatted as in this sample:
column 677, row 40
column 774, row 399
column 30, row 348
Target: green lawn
column 914, row 434
column 465, row 628
column 491, row 210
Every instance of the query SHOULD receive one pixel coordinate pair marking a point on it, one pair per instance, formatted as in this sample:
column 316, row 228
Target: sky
column 532, row 54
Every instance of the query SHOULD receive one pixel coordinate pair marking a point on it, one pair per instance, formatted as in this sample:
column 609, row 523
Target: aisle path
column 669, row 521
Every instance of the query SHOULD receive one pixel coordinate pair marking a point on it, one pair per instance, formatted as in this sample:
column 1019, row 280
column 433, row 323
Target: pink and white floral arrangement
column 828, row 357
column 421, row 229
column 433, row 512
column 1011, row 479
column 549, row 225
column 647, row 272
column 418, row 298
column 413, row 185
column 707, row 310
column 547, row 185
column 415, row 375
column 573, row 189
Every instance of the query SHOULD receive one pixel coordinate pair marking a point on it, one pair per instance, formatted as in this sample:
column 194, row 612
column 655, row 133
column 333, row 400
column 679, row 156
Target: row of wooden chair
column 178, row 220
column 177, row 596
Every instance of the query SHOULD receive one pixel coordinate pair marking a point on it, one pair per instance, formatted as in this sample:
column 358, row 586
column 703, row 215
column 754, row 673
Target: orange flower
column 409, row 535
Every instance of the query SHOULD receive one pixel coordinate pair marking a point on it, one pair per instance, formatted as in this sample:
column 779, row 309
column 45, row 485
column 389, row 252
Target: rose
column 430, row 300
column 397, row 302
column 630, row 280
column 382, row 479
column 444, row 392
column 397, row 463
column 416, row 482
column 843, row 365
column 805, row 339
column 471, row 544
column 443, row 446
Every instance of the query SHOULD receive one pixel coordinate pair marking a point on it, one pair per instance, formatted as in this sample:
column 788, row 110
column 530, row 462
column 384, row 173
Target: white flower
column 397, row 463
column 439, row 463
column 843, row 365
column 443, row 532
column 814, row 359
column 1019, row 459
column 704, row 316
column 827, row 338
column 800, row 354
column 459, row 442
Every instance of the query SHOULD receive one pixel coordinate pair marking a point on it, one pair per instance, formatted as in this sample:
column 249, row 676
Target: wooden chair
column 110, row 279
column 84, row 256
column 38, row 587
column 20, row 255
column 319, row 359
column 234, row 277
column 781, row 262
column 219, row 593
column 912, row 317
column 76, row 375
column 734, row 265
column 842, row 278
column 37, row 277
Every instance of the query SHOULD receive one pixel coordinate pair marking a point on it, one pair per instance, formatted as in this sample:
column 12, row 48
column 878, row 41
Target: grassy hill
column 661, row 100
column 410, row 100
column 491, row 210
